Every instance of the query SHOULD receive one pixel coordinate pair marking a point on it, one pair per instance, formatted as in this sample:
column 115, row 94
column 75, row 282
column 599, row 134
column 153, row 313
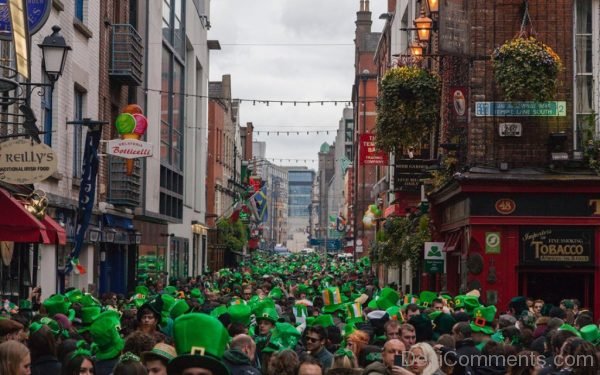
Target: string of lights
column 292, row 132
column 266, row 102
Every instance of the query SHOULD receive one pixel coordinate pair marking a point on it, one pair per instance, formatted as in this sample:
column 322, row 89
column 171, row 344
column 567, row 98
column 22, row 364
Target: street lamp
column 54, row 54
column 423, row 24
column 434, row 6
column 416, row 49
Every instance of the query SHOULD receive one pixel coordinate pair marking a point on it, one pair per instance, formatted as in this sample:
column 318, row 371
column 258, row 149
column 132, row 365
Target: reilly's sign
column 557, row 245
column 23, row 162
column 129, row 148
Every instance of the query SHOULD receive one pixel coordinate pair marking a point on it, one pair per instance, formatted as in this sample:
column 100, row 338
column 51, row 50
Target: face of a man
column 247, row 294
column 537, row 307
column 409, row 338
column 310, row 369
column 313, row 342
column 196, row 371
column 148, row 320
column 391, row 349
column 410, row 314
column 264, row 326
column 156, row 367
column 392, row 332
column 438, row 306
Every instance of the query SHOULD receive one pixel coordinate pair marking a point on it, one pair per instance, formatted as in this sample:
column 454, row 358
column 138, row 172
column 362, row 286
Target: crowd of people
column 301, row 314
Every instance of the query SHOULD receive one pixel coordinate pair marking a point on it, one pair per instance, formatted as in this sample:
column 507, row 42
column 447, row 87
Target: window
column 587, row 66
column 79, row 7
column 47, row 113
column 78, row 140
column 349, row 131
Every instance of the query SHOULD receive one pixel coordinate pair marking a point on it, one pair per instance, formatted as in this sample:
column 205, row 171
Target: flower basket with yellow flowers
column 526, row 69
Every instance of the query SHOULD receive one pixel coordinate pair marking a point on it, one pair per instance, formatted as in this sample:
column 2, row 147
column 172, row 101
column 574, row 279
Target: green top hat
column 59, row 304
column 88, row 300
column 105, row 333
column 276, row 293
column 305, row 289
column 171, row 290
column 283, row 336
column 195, row 293
column 240, row 314
column 395, row 313
column 218, row 311
column 143, row 290
column 483, row 318
column 268, row 313
column 332, row 299
column 590, row 333
column 204, row 351
column 74, row 295
column 387, row 298
column 354, row 313
column 570, row 328
column 324, row 321
column 408, row 299
column 469, row 303
column 426, row 298
column 88, row 315
column 179, row 308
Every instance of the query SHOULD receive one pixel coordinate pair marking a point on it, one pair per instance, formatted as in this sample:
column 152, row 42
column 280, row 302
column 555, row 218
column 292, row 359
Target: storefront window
column 151, row 263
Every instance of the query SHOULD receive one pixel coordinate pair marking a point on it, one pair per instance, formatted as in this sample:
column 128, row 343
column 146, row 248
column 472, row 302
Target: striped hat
column 332, row 299
column 354, row 313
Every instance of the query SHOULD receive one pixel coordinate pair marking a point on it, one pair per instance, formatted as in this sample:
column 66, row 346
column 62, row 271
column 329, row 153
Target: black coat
column 465, row 348
column 47, row 364
column 238, row 363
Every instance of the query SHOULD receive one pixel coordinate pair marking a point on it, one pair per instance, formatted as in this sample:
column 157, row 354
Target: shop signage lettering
column 520, row 109
column 129, row 148
column 23, row 162
column 557, row 245
column 505, row 206
column 368, row 153
column 409, row 173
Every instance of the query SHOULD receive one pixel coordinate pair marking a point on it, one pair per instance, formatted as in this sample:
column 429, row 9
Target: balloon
column 132, row 109
column 368, row 221
column 141, row 124
column 125, row 123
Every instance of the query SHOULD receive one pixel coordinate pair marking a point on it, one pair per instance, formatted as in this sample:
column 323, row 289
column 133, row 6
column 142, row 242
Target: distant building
column 300, row 183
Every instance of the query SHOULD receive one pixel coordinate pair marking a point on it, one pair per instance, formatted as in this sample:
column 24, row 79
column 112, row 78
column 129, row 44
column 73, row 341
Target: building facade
column 300, row 185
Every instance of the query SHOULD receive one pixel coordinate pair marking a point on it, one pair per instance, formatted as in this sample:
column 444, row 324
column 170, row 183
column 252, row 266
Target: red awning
column 56, row 233
column 17, row 224
column 453, row 240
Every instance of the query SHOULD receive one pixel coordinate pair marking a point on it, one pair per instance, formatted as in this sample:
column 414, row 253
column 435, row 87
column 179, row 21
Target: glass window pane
column 584, row 17
column 176, row 159
column 584, row 94
column 584, row 53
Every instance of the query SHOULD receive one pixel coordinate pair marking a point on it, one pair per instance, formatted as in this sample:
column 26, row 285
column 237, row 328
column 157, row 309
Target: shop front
column 506, row 237
column 152, row 252
column 118, row 254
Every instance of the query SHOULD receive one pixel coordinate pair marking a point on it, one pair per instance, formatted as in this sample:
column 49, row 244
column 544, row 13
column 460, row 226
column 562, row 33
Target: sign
column 409, row 173
column 454, row 27
column 23, row 162
column 492, row 243
column 535, row 205
column 458, row 101
column 368, row 154
column 434, row 257
column 557, row 246
column 510, row 129
column 37, row 15
column 129, row 148
column 520, row 109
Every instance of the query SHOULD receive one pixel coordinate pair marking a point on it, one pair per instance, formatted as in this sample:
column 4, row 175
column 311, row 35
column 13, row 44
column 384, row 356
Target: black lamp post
column 54, row 54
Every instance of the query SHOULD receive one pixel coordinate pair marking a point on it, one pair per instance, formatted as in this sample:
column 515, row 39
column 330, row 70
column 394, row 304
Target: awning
column 56, row 233
column 115, row 221
column 453, row 240
column 17, row 224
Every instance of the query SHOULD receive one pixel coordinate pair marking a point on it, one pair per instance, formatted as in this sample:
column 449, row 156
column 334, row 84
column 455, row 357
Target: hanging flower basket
column 526, row 69
column 407, row 108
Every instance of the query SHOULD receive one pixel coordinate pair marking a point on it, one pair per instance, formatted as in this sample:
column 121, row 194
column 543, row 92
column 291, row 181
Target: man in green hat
column 482, row 324
column 105, row 334
column 199, row 354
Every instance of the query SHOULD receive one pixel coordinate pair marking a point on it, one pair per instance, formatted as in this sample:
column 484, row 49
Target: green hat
column 469, row 303
column 349, row 328
column 25, row 304
column 395, row 313
column 426, row 298
column 196, row 294
column 483, row 319
column 570, row 328
column 143, row 290
column 218, row 311
column 387, row 298
column 283, row 336
column 194, row 350
column 332, row 299
column 442, row 324
column 105, row 334
column 408, row 299
column 354, row 313
column 268, row 313
column 324, row 321
column 59, row 304
column 171, row 290
column 74, row 295
column 276, row 293
column 591, row 334
column 89, row 300
column 155, row 304
column 240, row 314
column 179, row 308
column 88, row 315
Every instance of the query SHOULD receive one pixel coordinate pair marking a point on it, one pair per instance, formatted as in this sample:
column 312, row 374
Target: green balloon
column 125, row 123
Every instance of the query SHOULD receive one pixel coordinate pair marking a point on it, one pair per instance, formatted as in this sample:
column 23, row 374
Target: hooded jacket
column 238, row 363
column 376, row 368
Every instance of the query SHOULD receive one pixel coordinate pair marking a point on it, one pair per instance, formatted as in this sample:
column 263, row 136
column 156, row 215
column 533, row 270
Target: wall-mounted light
column 109, row 235
column 94, row 235
column 434, row 6
column 416, row 49
column 54, row 54
column 424, row 25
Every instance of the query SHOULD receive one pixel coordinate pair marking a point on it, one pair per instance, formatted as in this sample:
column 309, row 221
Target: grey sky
column 288, row 72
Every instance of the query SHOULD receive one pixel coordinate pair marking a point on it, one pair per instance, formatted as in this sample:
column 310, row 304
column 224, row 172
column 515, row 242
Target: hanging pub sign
column 131, row 124
column 368, row 153
column 38, row 12
column 129, row 148
column 458, row 100
column 556, row 246
column 25, row 162
column 409, row 174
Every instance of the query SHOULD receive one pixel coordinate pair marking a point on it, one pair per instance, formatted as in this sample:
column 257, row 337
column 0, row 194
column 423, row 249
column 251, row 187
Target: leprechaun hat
column 483, row 319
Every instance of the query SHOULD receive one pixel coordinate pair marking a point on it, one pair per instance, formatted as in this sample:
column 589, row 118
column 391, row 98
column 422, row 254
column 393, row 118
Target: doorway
column 553, row 285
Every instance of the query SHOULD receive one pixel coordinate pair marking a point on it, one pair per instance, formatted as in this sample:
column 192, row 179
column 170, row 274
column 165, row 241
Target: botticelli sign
column 129, row 148
column 561, row 246
column 23, row 162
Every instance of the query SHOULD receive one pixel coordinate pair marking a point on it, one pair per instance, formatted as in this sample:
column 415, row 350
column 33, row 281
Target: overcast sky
column 302, row 50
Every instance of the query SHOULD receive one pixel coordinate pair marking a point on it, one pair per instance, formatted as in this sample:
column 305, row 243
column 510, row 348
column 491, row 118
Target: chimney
column 363, row 21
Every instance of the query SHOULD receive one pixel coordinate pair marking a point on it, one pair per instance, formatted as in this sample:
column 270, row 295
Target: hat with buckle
column 203, row 351
column 483, row 319
column 426, row 298
column 268, row 313
column 590, row 333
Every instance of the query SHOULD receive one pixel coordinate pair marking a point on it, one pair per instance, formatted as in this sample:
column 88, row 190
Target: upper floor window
column 79, row 9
